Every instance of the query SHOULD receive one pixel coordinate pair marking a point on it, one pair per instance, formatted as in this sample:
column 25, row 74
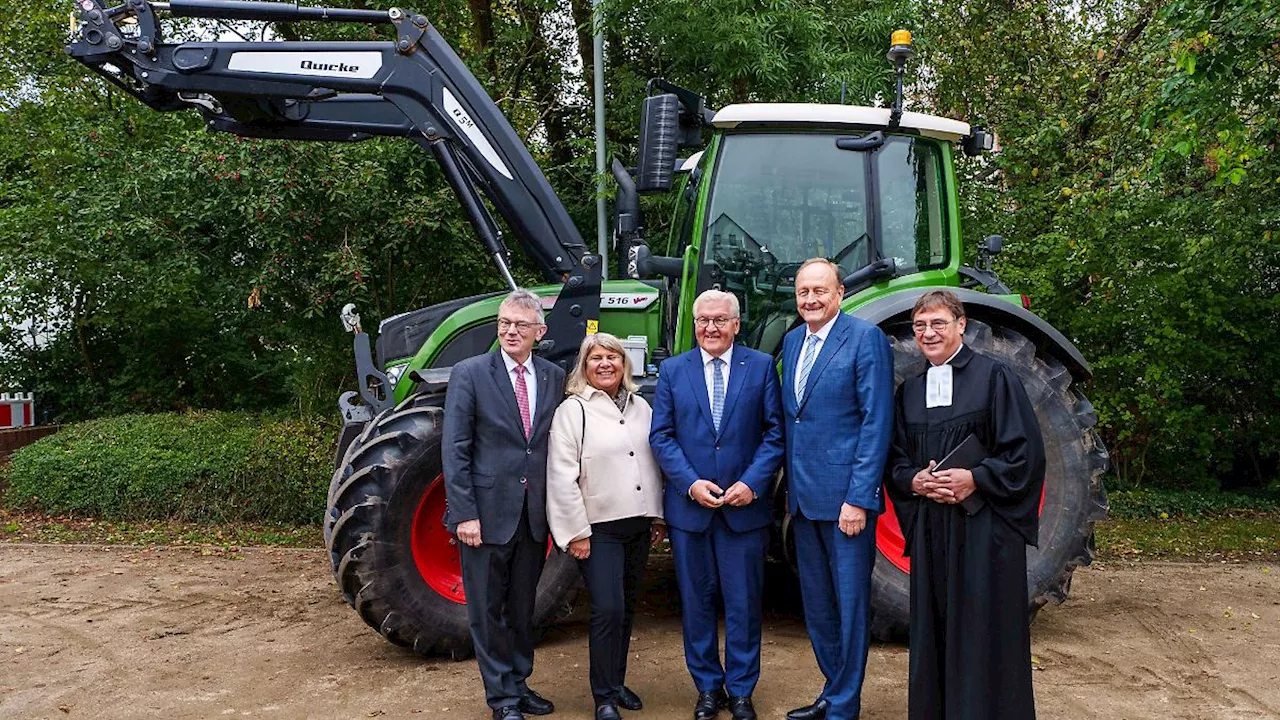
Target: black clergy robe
column 970, row 635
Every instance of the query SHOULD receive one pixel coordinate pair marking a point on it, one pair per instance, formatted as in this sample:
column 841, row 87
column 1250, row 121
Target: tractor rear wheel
column 392, row 558
column 1073, row 497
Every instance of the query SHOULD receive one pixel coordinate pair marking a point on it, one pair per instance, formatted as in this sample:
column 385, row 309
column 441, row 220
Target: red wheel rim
column 889, row 539
column 435, row 551
column 891, row 543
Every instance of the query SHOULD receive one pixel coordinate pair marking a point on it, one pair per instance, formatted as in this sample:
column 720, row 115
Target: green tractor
column 769, row 186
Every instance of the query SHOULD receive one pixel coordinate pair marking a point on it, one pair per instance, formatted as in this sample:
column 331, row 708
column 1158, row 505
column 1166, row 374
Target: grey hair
column 578, row 378
column 525, row 300
column 717, row 296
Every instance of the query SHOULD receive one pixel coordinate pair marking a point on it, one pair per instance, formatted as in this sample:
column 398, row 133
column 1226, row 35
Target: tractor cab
column 781, row 183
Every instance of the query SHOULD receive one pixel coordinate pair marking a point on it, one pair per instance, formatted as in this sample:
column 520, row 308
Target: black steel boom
column 414, row 87
column 271, row 11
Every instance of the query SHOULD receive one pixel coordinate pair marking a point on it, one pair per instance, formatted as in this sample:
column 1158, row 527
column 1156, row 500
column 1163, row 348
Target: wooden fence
column 12, row 439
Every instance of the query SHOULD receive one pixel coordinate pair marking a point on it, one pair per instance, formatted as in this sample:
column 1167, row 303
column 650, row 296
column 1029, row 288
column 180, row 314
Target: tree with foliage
column 1138, row 185
column 165, row 268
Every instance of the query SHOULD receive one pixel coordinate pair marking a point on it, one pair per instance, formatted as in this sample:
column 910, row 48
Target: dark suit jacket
column 749, row 446
column 838, row 437
column 488, row 463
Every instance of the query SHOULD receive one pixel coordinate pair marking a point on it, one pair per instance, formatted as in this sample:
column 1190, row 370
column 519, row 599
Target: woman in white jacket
column 604, row 492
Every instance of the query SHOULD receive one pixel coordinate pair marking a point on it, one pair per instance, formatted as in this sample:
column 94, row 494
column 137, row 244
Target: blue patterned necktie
column 806, row 364
column 717, row 392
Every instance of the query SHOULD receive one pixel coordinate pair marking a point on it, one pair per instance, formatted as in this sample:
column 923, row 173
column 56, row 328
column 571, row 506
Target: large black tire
column 374, row 501
column 1076, row 459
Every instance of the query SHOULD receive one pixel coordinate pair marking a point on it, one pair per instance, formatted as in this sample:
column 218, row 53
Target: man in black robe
column 966, row 528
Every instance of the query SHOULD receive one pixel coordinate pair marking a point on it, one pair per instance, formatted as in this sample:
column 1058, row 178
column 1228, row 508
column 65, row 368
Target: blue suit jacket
column 749, row 446
column 838, row 437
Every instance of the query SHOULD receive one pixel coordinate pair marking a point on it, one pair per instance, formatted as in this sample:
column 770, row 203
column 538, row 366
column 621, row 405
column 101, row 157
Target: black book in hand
column 967, row 455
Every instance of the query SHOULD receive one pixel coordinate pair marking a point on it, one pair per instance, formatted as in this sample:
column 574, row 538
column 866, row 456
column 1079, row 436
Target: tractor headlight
column 395, row 371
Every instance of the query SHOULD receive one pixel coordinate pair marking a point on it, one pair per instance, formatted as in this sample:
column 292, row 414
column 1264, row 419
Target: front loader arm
column 414, row 87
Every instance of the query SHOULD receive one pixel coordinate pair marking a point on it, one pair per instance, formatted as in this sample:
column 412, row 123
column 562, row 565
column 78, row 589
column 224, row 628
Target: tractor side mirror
column 659, row 140
column 988, row 249
column 979, row 142
column 641, row 264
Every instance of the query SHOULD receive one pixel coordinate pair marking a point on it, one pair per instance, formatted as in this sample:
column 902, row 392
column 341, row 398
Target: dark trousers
column 714, row 567
column 619, row 551
column 501, row 582
column 835, row 586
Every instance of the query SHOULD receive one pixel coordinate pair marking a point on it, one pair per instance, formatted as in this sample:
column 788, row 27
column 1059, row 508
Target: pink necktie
column 522, row 400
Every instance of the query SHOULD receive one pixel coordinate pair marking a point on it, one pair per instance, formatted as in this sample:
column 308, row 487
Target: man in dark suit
column 717, row 435
column 496, row 420
column 837, row 379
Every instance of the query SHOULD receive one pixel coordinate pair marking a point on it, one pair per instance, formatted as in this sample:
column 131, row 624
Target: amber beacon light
column 899, row 52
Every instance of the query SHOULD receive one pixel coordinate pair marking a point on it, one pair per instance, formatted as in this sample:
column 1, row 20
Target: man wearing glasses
column 717, row 435
column 837, row 379
column 966, row 527
column 494, row 446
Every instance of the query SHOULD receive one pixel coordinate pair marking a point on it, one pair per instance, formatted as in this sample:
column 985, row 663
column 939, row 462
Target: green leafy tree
column 1138, row 190
column 149, row 265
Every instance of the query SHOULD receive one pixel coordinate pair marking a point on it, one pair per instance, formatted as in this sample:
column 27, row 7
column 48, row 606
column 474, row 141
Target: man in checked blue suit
column 717, row 434
column 837, row 379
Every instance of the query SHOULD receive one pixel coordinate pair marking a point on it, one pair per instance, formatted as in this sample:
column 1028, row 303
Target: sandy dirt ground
column 129, row 632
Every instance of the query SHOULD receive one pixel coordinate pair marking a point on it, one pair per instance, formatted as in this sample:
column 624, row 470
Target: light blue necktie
column 806, row 364
column 717, row 392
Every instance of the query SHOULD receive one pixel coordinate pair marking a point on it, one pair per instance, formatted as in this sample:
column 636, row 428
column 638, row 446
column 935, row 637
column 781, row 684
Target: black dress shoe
column 629, row 700
column 816, row 711
column 607, row 711
column 742, row 708
column 709, row 704
column 510, row 712
column 531, row 703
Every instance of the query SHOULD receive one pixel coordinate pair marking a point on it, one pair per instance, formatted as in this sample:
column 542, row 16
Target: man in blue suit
column 837, row 379
column 717, row 434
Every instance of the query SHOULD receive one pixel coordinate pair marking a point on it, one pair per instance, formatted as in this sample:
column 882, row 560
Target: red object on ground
column 17, row 410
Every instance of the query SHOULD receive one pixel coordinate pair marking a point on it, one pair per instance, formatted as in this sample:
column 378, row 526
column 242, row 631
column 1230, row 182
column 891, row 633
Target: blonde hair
column 578, row 382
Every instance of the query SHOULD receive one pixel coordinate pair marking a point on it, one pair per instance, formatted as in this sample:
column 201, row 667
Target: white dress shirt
column 530, row 381
column 709, row 372
column 822, row 334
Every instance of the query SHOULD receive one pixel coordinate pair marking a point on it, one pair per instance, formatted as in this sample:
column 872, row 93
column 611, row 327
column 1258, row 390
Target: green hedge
column 198, row 466
column 1164, row 504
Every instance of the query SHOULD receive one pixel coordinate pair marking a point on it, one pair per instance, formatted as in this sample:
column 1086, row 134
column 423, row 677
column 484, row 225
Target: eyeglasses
column 937, row 325
column 717, row 322
column 521, row 326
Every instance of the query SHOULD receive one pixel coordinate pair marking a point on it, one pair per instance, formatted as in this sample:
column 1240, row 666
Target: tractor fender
column 993, row 310
column 430, row 381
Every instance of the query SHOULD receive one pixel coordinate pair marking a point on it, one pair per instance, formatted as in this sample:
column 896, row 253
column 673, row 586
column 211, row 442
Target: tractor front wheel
column 392, row 558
